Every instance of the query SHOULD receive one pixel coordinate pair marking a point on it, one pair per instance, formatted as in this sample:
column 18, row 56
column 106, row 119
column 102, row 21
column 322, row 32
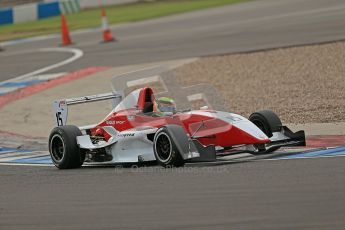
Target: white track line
column 296, row 158
column 13, row 153
column 77, row 54
column 21, row 157
column 19, row 164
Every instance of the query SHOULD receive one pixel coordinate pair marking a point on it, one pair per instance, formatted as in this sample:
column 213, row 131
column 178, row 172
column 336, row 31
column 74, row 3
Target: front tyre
column 165, row 150
column 268, row 122
column 63, row 147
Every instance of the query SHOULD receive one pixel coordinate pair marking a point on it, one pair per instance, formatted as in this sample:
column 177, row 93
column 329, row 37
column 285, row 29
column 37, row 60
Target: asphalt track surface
column 284, row 194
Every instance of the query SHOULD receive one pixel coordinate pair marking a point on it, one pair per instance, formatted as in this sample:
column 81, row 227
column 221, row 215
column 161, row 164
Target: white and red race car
column 130, row 134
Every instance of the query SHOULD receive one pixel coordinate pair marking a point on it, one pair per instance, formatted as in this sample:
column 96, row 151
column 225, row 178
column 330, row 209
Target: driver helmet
column 166, row 105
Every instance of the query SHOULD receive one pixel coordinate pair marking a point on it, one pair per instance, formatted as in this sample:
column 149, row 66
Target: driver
column 164, row 106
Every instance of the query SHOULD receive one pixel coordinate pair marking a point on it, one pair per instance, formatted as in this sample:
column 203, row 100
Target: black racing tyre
column 267, row 121
column 165, row 149
column 63, row 147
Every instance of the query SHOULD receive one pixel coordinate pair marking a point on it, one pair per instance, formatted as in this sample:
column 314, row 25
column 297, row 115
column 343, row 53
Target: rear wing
column 60, row 107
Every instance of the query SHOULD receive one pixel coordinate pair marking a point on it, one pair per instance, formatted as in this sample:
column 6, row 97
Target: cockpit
column 141, row 99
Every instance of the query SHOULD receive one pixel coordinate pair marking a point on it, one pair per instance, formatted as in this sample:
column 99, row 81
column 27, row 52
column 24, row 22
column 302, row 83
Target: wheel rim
column 163, row 147
column 57, row 148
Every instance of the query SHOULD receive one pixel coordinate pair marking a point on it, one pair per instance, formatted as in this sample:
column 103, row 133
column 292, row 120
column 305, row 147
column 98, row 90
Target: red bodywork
column 215, row 131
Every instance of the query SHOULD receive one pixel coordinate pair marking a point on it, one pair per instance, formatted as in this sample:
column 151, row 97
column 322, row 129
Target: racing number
column 59, row 119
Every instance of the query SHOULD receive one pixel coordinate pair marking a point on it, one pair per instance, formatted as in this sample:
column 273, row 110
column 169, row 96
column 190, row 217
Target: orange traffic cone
column 107, row 36
column 66, row 39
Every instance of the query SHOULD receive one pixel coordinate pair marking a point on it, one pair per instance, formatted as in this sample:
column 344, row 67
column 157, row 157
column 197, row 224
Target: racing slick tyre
column 268, row 122
column 63, row 147
column 165, row 150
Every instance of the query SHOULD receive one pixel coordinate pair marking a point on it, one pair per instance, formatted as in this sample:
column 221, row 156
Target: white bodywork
column 125, row 147
column 242, row 123
column 236, row 120
column 133, row 146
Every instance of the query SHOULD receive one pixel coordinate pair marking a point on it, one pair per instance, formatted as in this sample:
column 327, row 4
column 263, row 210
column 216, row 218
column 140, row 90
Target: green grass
column 116, row 14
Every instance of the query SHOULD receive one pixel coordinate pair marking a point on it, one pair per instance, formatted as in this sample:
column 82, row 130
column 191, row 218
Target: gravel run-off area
column 301, row 84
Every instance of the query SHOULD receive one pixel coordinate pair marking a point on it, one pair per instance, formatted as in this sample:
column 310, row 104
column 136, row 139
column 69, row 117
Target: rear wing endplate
column 60, row 107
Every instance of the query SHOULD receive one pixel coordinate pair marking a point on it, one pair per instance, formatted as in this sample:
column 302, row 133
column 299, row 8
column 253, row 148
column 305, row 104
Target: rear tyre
column 63, row 147
column 165, row 150
column 268, row 122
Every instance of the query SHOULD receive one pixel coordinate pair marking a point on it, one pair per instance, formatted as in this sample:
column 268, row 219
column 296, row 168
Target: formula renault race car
column 133, row 133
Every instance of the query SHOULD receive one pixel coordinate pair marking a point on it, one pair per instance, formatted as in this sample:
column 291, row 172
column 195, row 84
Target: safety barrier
column 70, row 6
column 6, row 16
column 29, row 12
column 50, row 8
